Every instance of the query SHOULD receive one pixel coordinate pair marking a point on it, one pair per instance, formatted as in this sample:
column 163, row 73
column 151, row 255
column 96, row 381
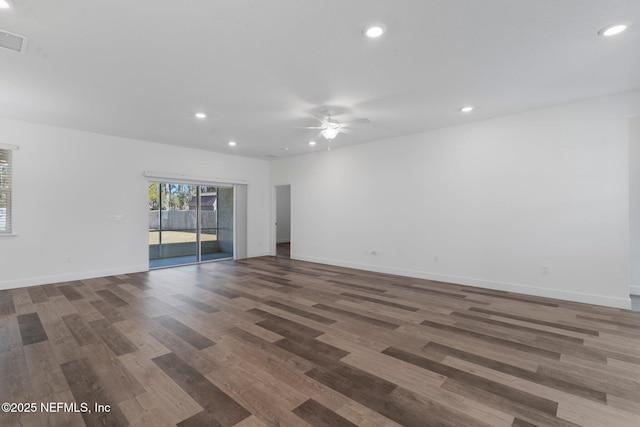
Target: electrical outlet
column 545, row 269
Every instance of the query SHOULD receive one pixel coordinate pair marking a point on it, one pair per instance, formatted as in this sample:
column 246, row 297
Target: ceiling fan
column 330, row 127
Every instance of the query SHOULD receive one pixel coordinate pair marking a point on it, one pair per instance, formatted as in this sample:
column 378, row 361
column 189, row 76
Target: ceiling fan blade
column 357, row 122
column 320, row 117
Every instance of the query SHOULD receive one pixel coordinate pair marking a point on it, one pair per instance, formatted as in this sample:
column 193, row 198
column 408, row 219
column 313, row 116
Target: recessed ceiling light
column 612, row 30
column 198, row 115
column 312, row 143
column 374, row 31
column 232, row 143
column 4, row 4
column 466, row 109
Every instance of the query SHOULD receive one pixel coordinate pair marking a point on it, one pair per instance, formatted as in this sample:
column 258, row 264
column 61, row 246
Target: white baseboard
column 68, row 277
column 468, row 281
column 479, row 283
column 258, row 254
column 83, row 275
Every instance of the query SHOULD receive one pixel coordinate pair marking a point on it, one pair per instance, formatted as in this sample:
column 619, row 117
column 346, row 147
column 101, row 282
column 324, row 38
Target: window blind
column 6, row 166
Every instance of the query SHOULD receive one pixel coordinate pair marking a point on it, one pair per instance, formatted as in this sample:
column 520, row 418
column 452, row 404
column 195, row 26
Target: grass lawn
column 178, row 237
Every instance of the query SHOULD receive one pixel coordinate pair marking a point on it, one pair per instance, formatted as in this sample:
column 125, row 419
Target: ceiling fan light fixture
column 330, row 132
column 374, row 31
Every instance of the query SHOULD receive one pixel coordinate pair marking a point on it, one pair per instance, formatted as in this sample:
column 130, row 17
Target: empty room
column 320, row 213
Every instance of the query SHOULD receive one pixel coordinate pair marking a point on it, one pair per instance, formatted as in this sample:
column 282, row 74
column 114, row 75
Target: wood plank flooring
column 275, row 342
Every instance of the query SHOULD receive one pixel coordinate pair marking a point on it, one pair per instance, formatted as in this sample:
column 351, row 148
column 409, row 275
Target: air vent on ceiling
column 12, row 41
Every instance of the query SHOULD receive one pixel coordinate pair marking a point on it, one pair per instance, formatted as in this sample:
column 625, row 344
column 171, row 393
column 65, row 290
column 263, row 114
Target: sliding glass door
column 216, row 222
column 189, row 223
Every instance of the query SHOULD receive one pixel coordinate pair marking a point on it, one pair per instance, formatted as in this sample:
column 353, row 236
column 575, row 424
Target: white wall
column 67, row 182
column 634, row 202
column 283, row 213
column 536, row 203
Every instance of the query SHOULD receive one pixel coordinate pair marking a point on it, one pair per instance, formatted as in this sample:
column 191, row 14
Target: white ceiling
column 261, row 68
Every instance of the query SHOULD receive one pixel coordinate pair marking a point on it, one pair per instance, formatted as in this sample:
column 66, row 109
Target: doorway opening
column 283, row 221
column 190, row 223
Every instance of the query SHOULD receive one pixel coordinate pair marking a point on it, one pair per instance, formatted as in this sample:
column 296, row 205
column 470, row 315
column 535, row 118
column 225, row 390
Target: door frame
column 273, row 251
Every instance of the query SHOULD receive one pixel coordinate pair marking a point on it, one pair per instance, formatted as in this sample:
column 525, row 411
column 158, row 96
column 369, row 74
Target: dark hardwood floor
column 275, row 342
column 283, row 250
